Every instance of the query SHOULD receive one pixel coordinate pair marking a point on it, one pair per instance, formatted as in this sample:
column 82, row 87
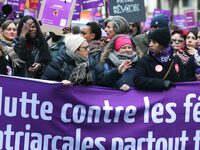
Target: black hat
column 162, row 36
column 160, row 21
column 7, row 9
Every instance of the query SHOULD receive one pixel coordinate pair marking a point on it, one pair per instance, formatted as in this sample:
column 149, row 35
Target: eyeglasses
column 84, row 48
column 175, row 41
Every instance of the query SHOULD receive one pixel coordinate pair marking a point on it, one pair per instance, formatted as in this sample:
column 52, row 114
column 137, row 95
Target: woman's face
column 10, row 32
column 154, row 46
column 177, row 41
column 109, row 30
column 83, row 50
column 87, row 34
column 191, row 40
column 32, row 31
column 126, row 49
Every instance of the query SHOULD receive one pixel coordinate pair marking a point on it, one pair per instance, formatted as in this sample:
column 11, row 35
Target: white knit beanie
column 73, row 41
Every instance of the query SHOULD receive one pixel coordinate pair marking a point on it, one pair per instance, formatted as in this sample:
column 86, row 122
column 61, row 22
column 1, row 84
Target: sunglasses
column 175, row 41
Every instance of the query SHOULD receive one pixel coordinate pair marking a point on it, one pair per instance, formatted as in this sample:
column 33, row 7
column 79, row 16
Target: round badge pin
column 158, row 68
column 176, row 66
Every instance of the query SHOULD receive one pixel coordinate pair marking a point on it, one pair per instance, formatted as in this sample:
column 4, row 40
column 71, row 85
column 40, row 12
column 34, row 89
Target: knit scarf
column 80, row 74
column 117, row 58
column 183, row 56
column 94, row 45
column 162, row 57
column 9, row 51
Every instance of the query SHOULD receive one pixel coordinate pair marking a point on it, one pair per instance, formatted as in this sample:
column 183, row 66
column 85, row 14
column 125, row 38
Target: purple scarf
column 164, row 56
column 197, row 63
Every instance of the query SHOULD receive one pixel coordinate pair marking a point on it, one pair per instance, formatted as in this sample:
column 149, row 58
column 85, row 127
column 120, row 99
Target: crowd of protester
column 118, row 56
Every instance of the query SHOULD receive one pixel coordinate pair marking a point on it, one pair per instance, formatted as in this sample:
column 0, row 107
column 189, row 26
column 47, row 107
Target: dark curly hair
column 96, row 29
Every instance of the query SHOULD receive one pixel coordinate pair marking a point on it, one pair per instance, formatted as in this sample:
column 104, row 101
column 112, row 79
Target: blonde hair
column 111, row 45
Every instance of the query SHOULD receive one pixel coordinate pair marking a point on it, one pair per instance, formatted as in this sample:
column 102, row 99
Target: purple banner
column 164, row 12
column 92, row 4
column 190, row 18
column 77, row 10
column 50, row 116
column 179, row 20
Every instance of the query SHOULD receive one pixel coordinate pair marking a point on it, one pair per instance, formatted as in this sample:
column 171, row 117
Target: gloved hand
column 168, row 84
column 17, row 62
column 125, row 87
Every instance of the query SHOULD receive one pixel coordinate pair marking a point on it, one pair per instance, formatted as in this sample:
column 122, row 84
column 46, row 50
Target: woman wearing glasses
column 71, row 64
column 178, row 43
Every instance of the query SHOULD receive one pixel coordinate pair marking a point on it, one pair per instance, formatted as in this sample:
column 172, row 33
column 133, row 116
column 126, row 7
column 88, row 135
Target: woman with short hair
column 116, row 25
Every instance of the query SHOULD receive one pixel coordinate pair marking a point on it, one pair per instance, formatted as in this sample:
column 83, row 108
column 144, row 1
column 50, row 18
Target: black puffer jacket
column 61, row 67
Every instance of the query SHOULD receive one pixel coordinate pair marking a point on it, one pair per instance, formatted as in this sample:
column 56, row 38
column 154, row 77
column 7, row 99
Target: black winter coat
column 33, row 54
column 3, row 64
column 149, row 73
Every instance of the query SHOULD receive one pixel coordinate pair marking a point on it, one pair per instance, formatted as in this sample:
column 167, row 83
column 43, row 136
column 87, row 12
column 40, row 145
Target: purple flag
column 92, row 4
column 49, row 116
column 190, row 18
column 179, row 20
